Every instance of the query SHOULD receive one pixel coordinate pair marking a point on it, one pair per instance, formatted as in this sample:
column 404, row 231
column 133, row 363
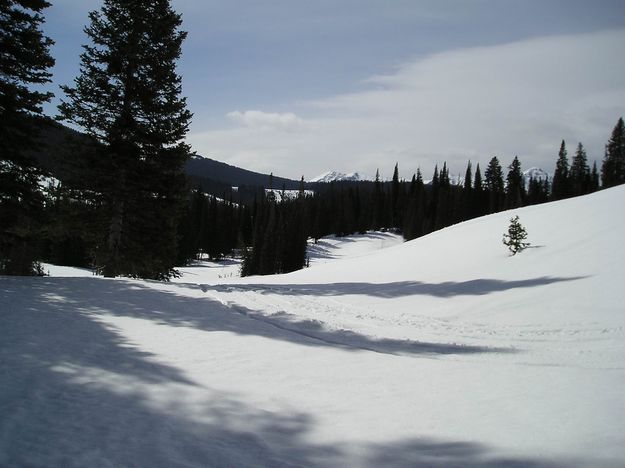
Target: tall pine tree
column 613, row 168
column 24, row 62
column 580, row 172
column 493, row 179
column 515, row 186
column 560, row 187
column 128, row 97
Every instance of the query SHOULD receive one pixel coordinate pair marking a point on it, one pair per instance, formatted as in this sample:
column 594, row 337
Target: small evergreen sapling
column 516, row 236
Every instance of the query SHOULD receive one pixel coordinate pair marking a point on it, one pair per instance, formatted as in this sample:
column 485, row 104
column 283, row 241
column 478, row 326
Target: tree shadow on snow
column 326, row 250
column 74, row 392
column 94, row 296
column 477, row 287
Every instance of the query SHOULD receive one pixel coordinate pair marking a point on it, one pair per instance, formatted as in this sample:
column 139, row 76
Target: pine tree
column 377, row 203
column 493, row 180
column 515, row 238
column 414, row 219
column 613, row 167
column 479, row 203
column 127, row 97
column 301, row 191
column 515, row 186
column 580, row 172
column 395, row 202
column 467, row 193
column 24, row 61
column 560, row 187
column 468, row 179
column 594, row 178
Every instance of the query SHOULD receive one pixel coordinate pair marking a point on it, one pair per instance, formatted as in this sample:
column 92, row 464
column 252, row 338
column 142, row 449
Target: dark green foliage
column 24, row 61
column 613, row 167
column 415, row 215
column 515, row 185
column 515, row 238
column 279, row 240
column 580, row 173
column 561, row 185
column 127, row 97
column 537, row 191
column 396, row 198
column 468, row 181
column 594, row 178
column 494, row 185
column 211, row 228
column 67, row 235
column 379, row 216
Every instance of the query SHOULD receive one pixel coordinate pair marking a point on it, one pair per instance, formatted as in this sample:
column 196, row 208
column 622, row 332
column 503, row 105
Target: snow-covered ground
column 443, row 351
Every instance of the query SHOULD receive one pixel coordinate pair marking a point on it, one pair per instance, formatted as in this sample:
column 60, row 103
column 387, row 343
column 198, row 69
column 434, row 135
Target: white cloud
column 513, row 99
column 267, row 120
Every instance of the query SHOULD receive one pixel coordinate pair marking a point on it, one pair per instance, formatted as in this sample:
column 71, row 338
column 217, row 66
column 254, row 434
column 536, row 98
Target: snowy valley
column 442, row 351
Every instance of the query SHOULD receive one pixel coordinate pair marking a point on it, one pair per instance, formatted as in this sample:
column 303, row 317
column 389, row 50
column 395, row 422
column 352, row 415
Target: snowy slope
column 443, row 351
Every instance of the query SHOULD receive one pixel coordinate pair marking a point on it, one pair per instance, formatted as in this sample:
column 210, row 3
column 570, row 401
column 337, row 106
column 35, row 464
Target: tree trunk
column 111, row 268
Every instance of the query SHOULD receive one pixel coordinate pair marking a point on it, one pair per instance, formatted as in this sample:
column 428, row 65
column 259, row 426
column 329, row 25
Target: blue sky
column 299, row 87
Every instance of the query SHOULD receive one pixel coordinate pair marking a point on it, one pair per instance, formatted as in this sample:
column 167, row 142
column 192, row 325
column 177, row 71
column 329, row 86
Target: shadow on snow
column 52, row 418
column 477, row 287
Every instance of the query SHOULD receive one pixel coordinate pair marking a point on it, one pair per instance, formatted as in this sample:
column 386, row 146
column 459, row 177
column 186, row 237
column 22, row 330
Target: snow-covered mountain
column 535, row 173
column 334, row 176
column 442, row 351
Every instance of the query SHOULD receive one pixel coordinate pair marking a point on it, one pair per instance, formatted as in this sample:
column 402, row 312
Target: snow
column 535, row 173
column 284, row 195
column 334, row 176
column 442, row 351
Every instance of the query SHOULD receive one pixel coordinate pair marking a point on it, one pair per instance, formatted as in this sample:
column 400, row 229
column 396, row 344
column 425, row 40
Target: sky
column 301, row 87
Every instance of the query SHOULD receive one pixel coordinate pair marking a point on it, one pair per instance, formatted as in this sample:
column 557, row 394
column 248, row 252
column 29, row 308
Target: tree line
column 125, row 207
column 416, row 208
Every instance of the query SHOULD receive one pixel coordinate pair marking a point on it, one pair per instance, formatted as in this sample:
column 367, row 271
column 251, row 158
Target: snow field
column 443, row 351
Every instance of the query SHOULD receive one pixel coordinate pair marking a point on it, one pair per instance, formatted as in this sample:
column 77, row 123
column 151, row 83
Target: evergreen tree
column 127, row 97
column 537, row 191
column 414, row 219
column 467, row 193
column 395, row 208
column 24, row 61
column 613, row 167
column 515, row 186
column 377, row 203
column 444, row 175
column 515, row 238
column 594, row 178
column 480, row 206
column 301, row 191
column 443, row 210
column 580, row 172
column 560, row 187
column 493, row 180
column 468, row 179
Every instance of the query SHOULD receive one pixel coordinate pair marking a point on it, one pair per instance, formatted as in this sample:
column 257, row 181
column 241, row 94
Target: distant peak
column 334, row 176
column 535, row 173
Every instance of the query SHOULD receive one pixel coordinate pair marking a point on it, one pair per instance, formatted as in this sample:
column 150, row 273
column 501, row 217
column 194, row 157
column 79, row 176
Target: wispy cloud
column 513, row 99
column 267, row 121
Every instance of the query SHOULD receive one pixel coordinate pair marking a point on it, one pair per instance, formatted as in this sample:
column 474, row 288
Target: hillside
column 206, row 168
column 443, row 351
column 59, row 141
